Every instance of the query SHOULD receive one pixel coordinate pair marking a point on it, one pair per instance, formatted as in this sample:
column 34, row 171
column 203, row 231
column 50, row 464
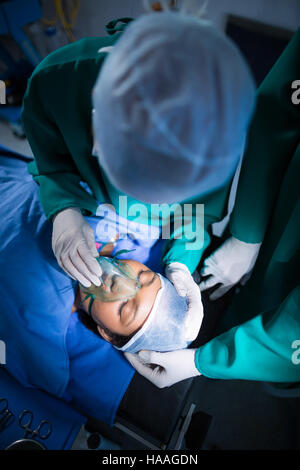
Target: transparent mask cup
column 119, row 282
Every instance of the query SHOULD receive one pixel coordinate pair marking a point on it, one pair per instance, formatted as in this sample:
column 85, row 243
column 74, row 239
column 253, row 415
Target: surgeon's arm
column 272, row 140
column 187, row 249
column 189, row 241
column 260, row 349
column 53, row 168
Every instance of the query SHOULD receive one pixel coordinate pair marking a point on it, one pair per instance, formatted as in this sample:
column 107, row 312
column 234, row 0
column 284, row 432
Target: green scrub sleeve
column 187, row 244
column 60, row 185
column 272, row 140
column 187, row 250
column 265, row 348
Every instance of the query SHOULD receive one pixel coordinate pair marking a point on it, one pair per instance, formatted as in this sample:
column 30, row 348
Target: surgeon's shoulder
column 86, row 49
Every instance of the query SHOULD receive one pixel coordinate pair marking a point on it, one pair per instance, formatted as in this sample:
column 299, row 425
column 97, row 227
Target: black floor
column 242, row 415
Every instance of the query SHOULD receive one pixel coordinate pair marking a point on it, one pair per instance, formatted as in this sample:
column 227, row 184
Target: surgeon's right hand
column 74, row 246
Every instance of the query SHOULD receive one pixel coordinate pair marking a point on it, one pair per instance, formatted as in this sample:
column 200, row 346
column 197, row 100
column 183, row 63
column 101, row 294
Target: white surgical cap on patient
column 172, row 105
column 166, row 328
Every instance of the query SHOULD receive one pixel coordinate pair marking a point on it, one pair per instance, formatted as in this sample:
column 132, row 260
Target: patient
column 138, row 309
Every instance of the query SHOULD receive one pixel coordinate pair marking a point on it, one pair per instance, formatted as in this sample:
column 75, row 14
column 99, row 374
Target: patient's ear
column 104, row 334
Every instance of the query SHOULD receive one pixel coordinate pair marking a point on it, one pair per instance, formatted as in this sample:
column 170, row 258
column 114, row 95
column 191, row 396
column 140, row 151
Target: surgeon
column 260, row 335
column 157, row 113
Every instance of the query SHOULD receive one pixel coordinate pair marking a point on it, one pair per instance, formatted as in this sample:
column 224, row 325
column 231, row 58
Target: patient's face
column 126, row 316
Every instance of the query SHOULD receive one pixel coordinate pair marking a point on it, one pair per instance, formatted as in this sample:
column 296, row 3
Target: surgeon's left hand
column 185, row 286
column 165, row 369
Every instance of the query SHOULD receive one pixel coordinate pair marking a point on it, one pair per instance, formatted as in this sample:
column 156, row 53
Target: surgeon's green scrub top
column 263, row 322
column 57, row 114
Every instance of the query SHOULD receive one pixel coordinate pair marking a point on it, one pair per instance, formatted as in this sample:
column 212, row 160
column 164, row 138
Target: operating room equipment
column 26, row 444
column 3, row 405
column 66, row 422
column 6, row 420
column 60, row 14
column 14, row 16
column 6, row 415
column 43, row 430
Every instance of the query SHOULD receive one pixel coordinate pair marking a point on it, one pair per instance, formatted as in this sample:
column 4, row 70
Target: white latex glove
column 165, row 369
column 74, row 246
column 181, row 278
column 228, row 265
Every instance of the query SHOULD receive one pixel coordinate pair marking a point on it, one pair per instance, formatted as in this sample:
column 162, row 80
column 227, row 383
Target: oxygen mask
column 119, row 281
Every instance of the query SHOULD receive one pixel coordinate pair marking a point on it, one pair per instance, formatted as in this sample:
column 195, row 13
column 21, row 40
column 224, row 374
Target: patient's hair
column 117, row 340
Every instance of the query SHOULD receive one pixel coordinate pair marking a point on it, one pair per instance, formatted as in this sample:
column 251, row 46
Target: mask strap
column 92, row 298
column 118, row 253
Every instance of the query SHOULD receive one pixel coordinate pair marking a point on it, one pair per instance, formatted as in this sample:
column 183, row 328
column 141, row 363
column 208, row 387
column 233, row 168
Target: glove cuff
column 257, row 245
column 176, row 265
column 192, row 369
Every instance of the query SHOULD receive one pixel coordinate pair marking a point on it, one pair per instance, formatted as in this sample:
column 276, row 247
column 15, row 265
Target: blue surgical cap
column 172, row 105
column 165, row 328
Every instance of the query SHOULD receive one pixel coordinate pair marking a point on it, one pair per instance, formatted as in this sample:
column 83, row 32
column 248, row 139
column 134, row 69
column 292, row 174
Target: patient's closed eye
column 121, row 307
column 128, row 311
column 146, row 277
